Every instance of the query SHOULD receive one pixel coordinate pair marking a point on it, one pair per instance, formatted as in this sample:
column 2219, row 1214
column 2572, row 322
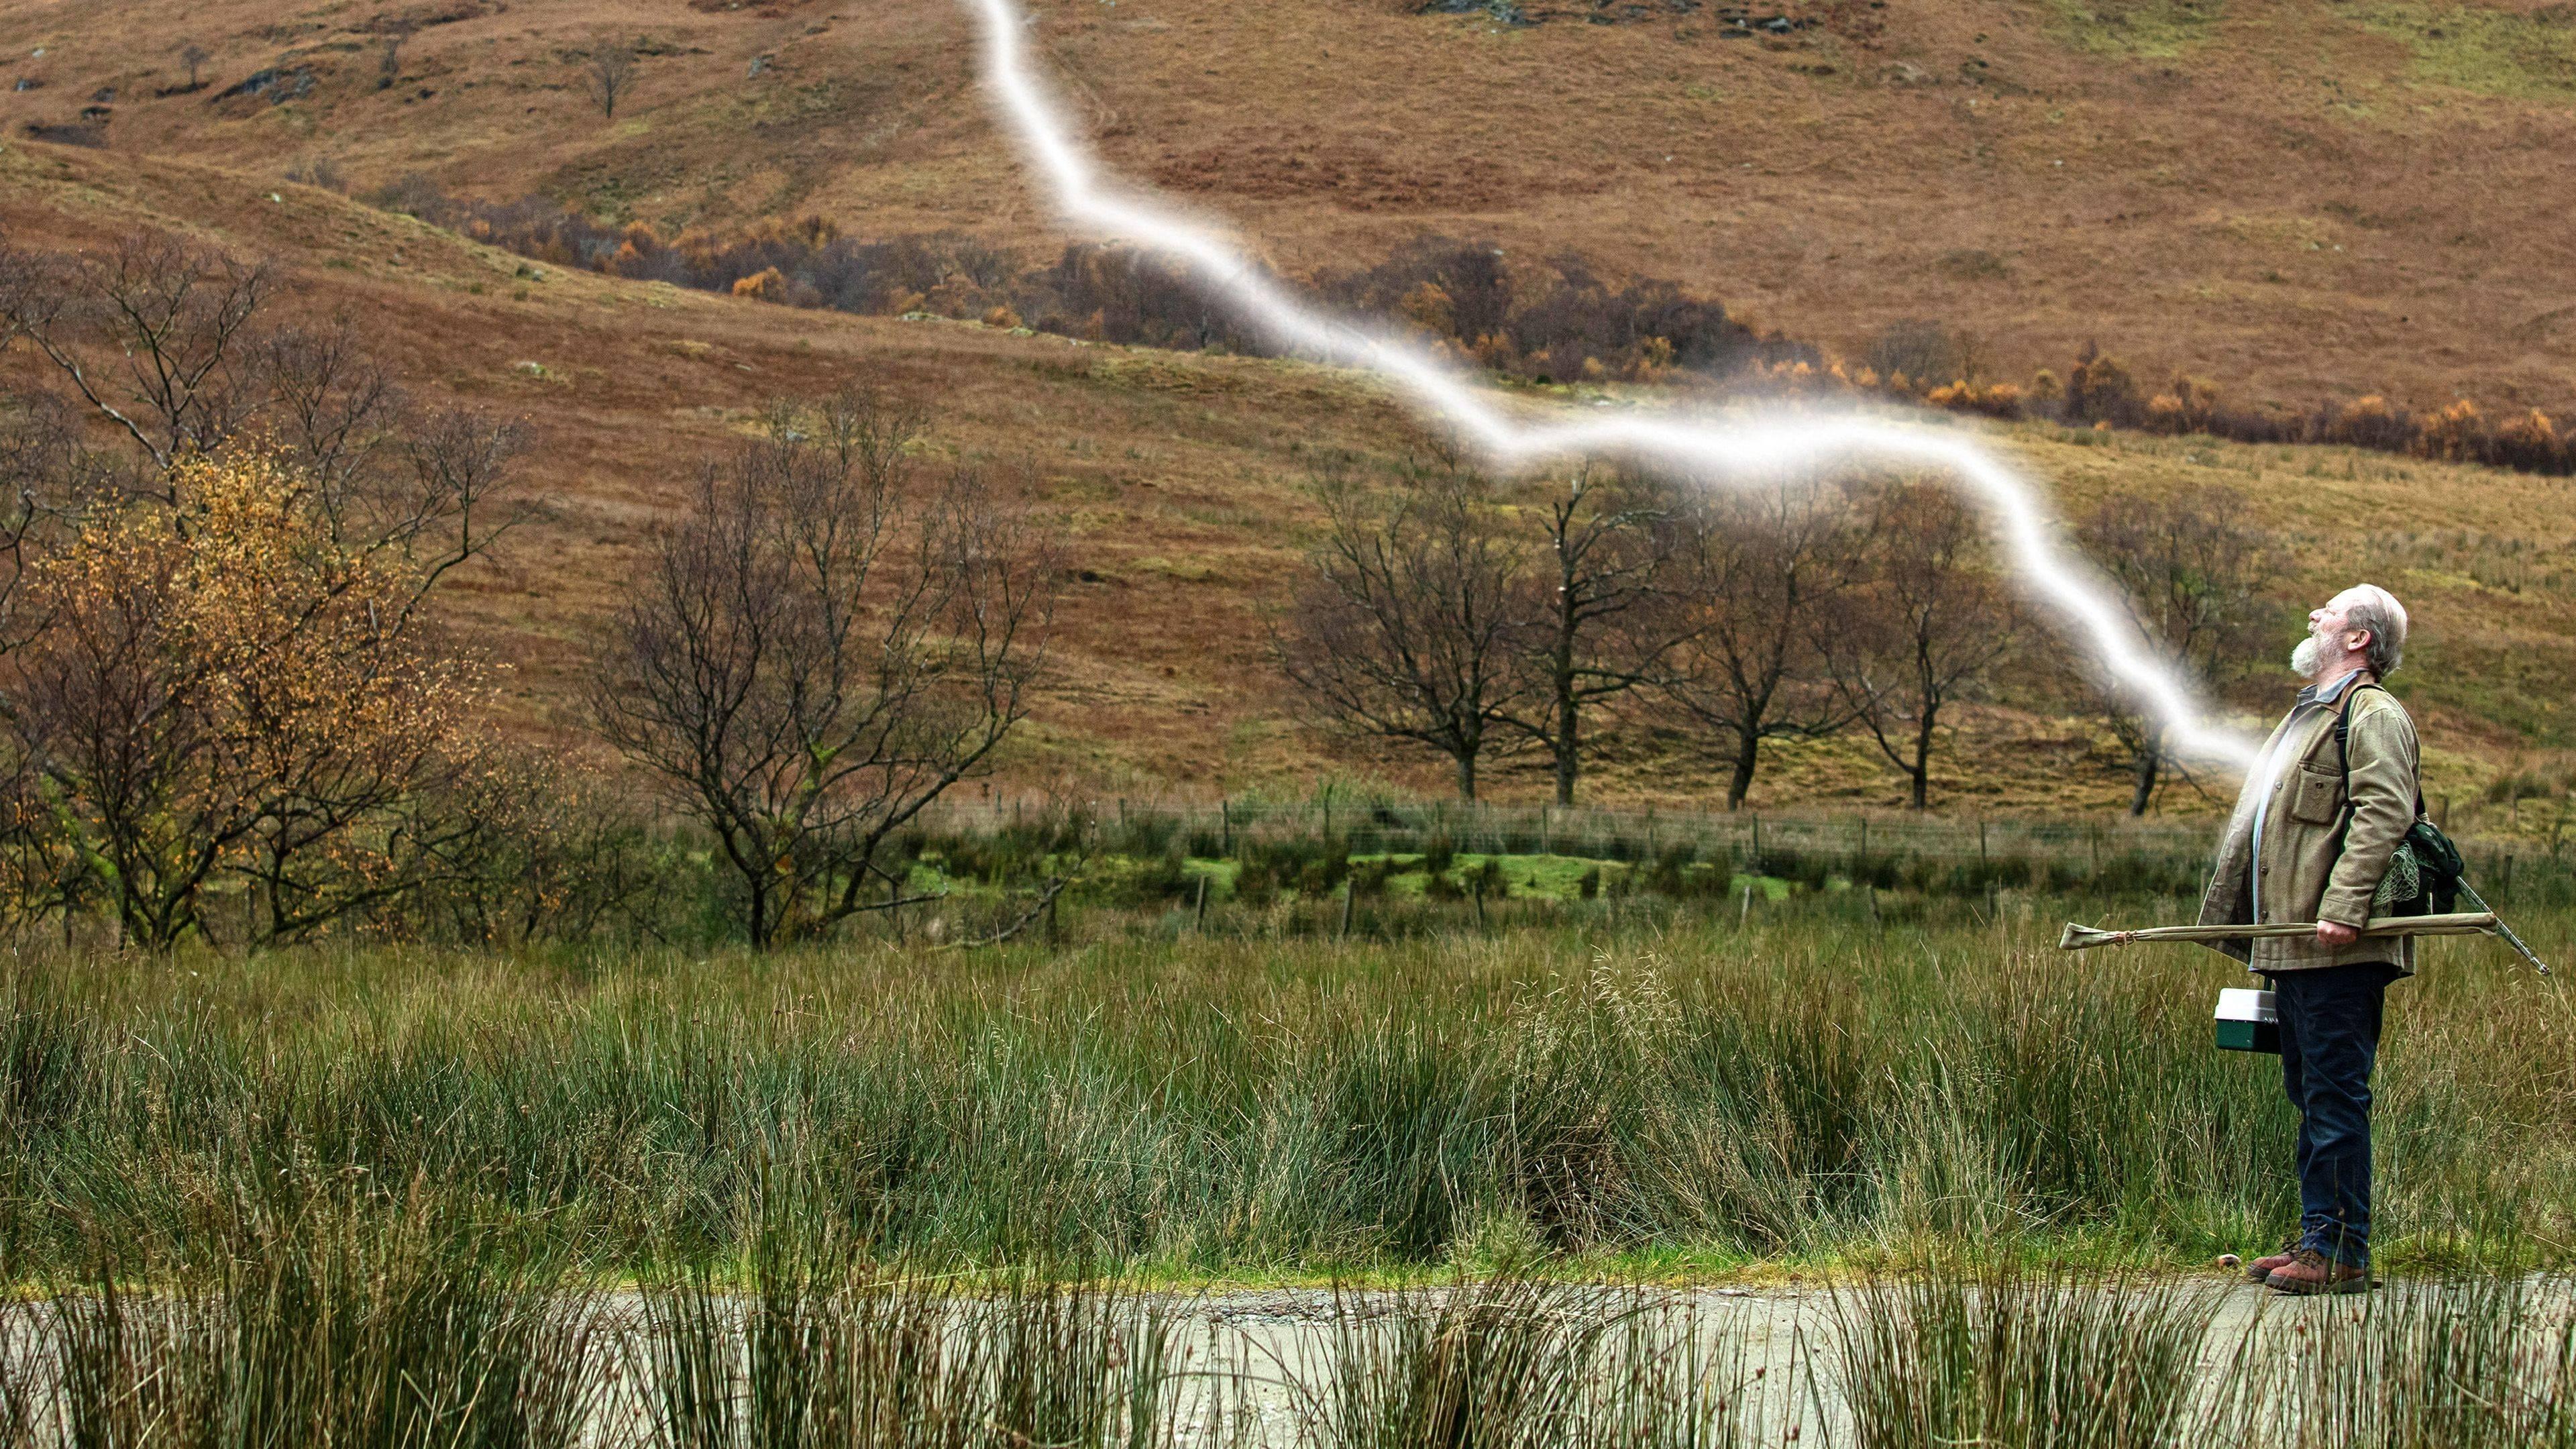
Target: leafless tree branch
column 823, row 647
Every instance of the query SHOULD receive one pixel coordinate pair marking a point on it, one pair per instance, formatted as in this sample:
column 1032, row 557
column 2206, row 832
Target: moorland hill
column 2251, row 192
column 1182, row 484
column 2299, row 200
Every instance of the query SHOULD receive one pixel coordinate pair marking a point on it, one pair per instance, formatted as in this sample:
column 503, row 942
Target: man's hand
column 2336, row 933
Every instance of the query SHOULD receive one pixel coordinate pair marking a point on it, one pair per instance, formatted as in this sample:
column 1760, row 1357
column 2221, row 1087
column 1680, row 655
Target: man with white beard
column 2333, row 792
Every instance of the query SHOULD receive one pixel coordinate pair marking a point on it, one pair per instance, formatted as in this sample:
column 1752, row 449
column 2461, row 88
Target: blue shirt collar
column 2328, row 694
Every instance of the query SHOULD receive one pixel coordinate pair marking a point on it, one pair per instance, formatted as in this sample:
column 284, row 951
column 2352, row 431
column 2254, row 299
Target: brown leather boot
column 2310, row 1272
column 2262, row 1269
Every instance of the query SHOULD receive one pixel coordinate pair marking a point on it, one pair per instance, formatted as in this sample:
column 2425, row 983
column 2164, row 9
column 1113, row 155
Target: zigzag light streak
column 1734, row 448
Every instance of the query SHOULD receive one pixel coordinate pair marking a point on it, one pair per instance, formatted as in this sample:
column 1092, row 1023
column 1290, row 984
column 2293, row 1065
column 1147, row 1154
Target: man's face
column 2330, row 636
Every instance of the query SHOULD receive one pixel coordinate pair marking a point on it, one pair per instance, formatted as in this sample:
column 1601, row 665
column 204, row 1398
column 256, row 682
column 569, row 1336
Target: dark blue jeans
column 2329, row 1042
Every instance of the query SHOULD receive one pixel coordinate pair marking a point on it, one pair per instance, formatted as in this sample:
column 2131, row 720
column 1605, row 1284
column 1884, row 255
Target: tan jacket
column 2311, row 865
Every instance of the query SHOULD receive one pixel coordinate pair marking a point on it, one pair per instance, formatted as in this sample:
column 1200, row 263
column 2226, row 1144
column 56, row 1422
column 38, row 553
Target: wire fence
column 1323, row 847
column 1371, row 827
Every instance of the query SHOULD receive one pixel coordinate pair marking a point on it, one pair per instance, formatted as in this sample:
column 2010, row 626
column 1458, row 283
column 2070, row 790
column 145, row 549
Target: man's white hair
column 2377, row 610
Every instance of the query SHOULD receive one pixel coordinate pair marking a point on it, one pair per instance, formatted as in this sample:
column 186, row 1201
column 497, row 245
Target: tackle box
column 2248, row 1021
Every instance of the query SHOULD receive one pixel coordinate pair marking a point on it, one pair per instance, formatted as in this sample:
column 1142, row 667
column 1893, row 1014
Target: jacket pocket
column 2316, row 797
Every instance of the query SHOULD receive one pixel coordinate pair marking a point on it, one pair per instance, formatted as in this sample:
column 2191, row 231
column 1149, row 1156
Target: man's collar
column 2329, row 693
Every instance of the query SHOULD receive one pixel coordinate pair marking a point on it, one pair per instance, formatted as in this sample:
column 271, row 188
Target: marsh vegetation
column 1487, row 1074
column 1691, row 1091
column 406, row 1334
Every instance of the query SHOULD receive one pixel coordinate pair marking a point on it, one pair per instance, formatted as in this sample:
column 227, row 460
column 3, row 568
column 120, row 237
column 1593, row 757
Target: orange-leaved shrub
column 224, row 687
column 1551, row 319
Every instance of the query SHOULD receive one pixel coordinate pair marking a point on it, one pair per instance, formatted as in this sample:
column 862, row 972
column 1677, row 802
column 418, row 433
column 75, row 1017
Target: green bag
column 2424, row 871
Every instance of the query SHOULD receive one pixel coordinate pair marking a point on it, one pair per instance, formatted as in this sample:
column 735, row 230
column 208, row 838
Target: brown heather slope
column 1178, row 480
column 2299, row 198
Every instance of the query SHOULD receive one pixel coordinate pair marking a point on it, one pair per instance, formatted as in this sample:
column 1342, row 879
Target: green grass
column 1558, row 877
column 2161, row 28
column 1671, row 1094
column 2482, row 1363
column 2005, row 1357
column 2491, row 51
column 849, row 1358
column 338, row 1332
column 1514, row 1363
column 331, row 1326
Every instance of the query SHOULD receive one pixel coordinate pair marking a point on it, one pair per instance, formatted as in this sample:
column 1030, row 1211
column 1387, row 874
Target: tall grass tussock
column 894, row 1195
column 1804, row 1086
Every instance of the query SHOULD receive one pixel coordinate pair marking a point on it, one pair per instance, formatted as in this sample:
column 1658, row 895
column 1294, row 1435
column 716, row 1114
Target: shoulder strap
column 2343, row 749
column 2343, row 734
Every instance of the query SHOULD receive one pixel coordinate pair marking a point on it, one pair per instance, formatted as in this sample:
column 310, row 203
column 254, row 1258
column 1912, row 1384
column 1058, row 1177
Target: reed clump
column 333, row 1331
column 1997, row 1354
column 1513, row 1363
column 1803, row 1087
column 2473, row 1362
column 852, row 1357
column 336, row 1326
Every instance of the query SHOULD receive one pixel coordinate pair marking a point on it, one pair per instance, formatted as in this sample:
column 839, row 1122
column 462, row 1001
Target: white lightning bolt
column 1730, row 448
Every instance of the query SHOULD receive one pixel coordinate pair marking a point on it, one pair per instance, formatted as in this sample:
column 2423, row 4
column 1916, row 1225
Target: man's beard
column 2309, row 659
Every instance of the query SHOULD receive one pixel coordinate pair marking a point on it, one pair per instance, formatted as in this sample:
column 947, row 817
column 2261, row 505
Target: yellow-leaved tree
column 225, row 686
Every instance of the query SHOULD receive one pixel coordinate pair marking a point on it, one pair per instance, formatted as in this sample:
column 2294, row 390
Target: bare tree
column 1925, row 352
column 435, row 485
column 1758, row 567
column 818, row 651
column 1927, row 624
column 389, row 63
column 1413, row 621
column 610, row 71
column 331, row 403
column 2190, row 571
column 529, row 850
column 45, row 478
column 451, row 502
column 29, row 291
column 45, row 475
column 152, row 334
column 1597, row 633
column 194, row 57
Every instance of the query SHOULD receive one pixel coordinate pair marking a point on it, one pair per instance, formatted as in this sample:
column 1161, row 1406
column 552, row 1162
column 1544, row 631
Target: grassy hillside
column 1180, row 482
column 2298, row 198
